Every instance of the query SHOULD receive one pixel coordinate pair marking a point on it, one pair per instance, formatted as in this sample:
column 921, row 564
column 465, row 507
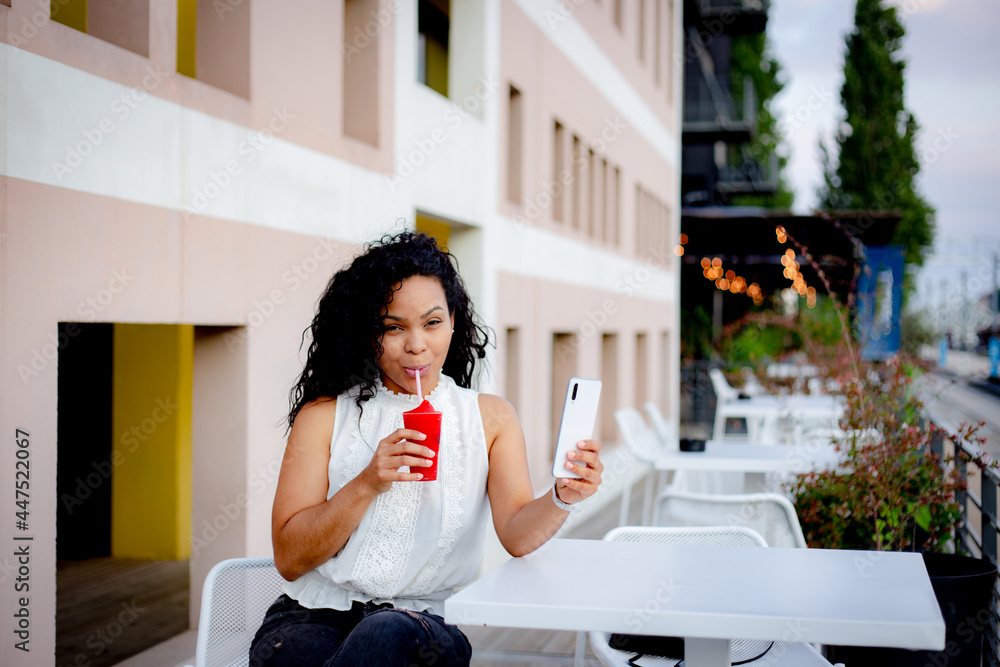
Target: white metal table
column 752, row 459
column 764, row 413
column 710, row 595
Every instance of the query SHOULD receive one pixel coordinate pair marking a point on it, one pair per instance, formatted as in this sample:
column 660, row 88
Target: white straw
column 420, row 394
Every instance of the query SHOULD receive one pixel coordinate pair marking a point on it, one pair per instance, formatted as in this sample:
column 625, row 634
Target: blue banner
column 880, row 302
column 994, row 350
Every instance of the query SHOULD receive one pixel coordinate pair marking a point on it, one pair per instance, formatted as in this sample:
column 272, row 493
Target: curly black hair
column 348, row 326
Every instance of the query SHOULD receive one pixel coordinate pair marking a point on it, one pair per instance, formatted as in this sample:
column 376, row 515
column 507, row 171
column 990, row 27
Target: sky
column 952, row 76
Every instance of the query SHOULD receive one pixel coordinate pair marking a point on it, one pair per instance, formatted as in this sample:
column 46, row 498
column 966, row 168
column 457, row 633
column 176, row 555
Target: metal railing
column 978, row 530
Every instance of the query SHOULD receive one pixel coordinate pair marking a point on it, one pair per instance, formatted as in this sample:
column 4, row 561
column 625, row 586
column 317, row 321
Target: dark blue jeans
column 366, row 634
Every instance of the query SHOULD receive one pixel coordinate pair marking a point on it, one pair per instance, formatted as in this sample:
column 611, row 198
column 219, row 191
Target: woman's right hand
column 400, row 448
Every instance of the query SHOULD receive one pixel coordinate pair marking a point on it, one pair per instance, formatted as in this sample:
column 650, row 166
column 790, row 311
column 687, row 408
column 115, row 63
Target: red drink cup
column 427, row 420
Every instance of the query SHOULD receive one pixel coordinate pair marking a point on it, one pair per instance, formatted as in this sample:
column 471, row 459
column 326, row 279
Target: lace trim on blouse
column 385, row 551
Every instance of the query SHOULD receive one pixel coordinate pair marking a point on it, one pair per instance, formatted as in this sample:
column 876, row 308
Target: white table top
column 792, row 404
column 752, row 458
column 802, row 595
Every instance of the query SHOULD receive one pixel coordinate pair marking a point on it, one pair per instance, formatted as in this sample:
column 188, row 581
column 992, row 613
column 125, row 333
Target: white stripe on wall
column 158, row 153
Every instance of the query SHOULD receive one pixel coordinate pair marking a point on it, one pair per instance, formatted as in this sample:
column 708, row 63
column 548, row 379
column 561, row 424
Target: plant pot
column 963, row 587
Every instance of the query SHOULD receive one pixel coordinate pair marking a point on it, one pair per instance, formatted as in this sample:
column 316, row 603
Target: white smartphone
column 577, row 422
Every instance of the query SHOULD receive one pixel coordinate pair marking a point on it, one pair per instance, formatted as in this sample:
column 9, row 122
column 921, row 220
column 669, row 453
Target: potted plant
column 900, row 496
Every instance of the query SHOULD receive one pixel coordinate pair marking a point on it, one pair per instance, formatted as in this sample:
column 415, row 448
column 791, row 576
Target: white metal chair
column 664, row 431
column 770, row 514
column 644, row 445
column 237, row 593
column 730, row 409
column 781, row 654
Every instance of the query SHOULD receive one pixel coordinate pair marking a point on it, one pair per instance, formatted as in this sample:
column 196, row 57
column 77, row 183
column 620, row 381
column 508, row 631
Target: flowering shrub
column 893, row 493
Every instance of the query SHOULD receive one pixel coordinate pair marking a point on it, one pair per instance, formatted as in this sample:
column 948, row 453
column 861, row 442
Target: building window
column 564, row 365
column 609, row 390
column 611, row 230
column 664, row 372
column 433, row 24
column 512, row 371
column 213, row 43
column 641, row 368
column 657, row 54
column 579, row 164
column 605, row 222
column 558, row 165
column 669, row 48
column 592, row 202
column 360, row 72
column 515, row 142
column 640, row 218
column 641, row 41
column 124, row 24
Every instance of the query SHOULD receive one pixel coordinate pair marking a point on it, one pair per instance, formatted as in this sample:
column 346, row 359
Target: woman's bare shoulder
column 315, row 419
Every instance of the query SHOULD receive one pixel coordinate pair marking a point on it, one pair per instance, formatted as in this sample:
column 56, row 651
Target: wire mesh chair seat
column 237, row 593
column 778, row 654
column 770, row 514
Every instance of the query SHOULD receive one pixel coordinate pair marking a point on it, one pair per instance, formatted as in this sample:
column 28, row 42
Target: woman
column 370, row 551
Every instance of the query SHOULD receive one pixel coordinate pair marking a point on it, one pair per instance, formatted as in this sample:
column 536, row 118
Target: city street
column 951, row 394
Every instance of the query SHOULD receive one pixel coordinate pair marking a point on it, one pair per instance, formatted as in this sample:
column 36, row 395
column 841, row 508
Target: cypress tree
column 877, row 164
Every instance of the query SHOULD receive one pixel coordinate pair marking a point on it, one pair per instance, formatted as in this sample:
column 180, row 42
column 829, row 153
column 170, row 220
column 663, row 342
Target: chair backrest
column 637, row 435
column 731, row 536
column 770, row 514
column 237, row 593
column 723, row 390
column 661, row 427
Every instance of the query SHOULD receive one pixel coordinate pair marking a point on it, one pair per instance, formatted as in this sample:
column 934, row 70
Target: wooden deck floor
column 108, row 609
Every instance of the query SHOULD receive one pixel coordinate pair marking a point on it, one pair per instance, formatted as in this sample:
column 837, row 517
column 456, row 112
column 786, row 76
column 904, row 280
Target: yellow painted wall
column 151, row 422
column 440, row 231
column 187, row 32
column 72, row 13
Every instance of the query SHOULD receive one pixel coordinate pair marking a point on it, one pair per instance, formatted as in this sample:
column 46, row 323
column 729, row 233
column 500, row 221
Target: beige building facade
column 180, row 179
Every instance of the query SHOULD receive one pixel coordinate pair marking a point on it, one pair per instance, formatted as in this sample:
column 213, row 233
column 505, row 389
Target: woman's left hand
column 585, row 461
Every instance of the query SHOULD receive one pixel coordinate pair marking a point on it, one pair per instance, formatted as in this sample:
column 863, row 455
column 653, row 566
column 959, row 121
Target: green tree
column 751, row 58
column 877, row 166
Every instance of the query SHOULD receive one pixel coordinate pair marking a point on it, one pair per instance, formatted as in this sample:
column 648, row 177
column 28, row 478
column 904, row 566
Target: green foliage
column 893, row 493
column 696, row 334
column 756, row 342
column 877, row 164
column 751, row 57
column 915, row 332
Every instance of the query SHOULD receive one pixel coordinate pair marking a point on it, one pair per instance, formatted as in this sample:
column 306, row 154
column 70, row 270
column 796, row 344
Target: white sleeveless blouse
column 419, row 541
